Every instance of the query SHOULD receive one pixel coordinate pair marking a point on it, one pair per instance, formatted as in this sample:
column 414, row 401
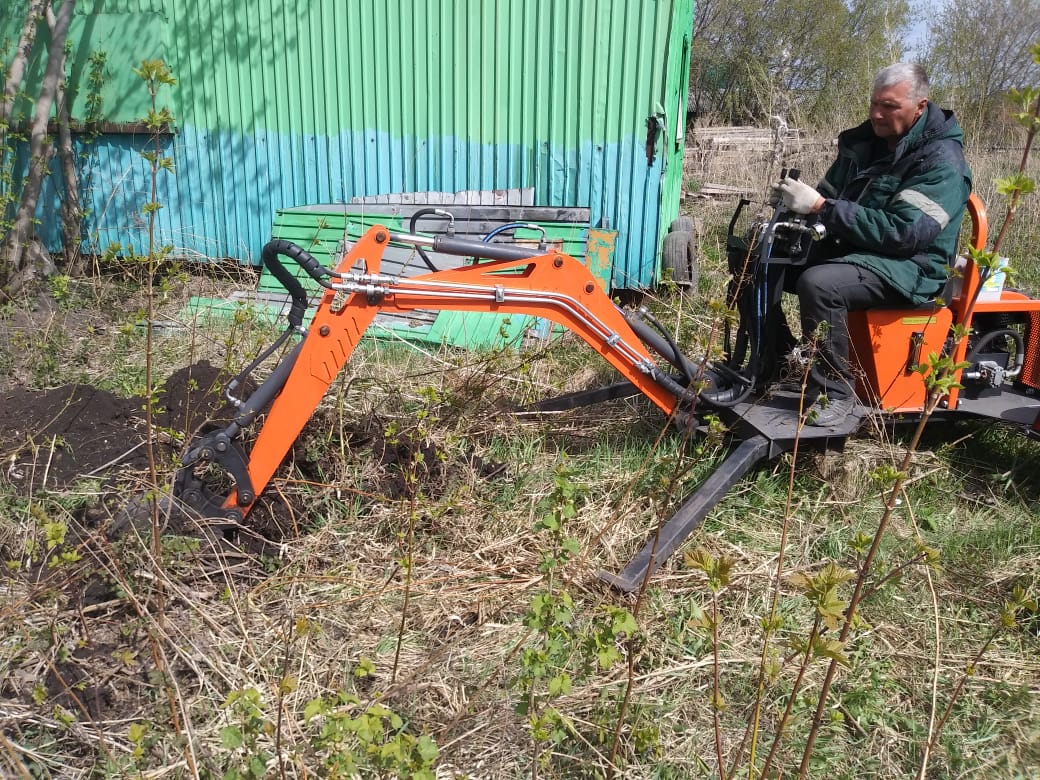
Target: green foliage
column 141, row 736
column 155, row 74
column 752, row 60
column 717, row 569
column 940, row 373
column 49, row 349
column 1020, row 602
column 60, row 288
column 352, row 739
column 1015, row 185
column 567, row 648
column 242, row 737
column 821, row 589
column 561, row 510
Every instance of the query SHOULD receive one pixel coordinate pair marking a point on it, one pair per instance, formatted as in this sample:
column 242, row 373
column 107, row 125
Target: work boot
column 829, row 411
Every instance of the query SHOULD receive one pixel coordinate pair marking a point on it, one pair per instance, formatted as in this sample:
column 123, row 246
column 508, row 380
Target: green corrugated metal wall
column 288, row 103
column 126, row 30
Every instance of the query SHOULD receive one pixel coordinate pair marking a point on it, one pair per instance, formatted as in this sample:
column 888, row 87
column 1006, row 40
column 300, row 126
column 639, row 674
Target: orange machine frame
column 887, row 344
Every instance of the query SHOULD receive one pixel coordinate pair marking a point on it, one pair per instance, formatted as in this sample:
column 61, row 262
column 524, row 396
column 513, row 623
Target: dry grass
column 296, row 620
column 295, row 623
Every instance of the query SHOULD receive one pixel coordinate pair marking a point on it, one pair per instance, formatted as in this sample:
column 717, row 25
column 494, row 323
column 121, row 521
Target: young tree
column 16, row 73
column 71, row 211
column 976, row 52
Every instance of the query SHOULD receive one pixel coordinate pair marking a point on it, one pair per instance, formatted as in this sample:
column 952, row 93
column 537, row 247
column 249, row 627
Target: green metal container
column 283, row 104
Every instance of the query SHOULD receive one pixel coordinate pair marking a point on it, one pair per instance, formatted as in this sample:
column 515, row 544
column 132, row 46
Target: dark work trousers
column 827, row 291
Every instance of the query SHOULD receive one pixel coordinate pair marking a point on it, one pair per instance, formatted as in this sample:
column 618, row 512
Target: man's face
column 892, row 112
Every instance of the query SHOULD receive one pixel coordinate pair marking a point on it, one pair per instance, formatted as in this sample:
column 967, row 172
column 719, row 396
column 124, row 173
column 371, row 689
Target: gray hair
column 909, row 72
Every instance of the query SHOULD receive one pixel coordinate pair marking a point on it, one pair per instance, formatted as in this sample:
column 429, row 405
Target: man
column 892, row 203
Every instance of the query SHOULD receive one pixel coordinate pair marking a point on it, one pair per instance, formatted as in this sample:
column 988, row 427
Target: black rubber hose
column 659, row 340
column 724, row 397
column 739, row 389
column 269, row 256
column 673, row 387
column 741, row 383
column 244, row 374
column 411, row 229
column 731, row 396
column 1014, row 335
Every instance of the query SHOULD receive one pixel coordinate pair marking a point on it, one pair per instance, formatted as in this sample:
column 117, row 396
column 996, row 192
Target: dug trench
column 73, row 458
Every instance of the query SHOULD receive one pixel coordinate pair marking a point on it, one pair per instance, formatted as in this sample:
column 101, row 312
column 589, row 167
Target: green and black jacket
column 898, row 212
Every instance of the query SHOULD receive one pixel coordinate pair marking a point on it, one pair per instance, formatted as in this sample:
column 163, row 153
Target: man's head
column 899, row 99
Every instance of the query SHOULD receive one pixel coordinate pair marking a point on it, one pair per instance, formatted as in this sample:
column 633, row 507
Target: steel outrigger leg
column 739, row 462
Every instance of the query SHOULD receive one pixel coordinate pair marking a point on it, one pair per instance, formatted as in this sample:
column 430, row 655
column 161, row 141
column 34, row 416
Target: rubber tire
column 683, row 225
column 679, row 255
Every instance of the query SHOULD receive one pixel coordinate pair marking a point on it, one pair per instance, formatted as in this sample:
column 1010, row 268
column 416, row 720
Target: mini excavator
column 1000, row 382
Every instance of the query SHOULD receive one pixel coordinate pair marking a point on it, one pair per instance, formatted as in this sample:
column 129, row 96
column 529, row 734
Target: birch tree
column 16, row 73
column 71, row 211
column 23, row 257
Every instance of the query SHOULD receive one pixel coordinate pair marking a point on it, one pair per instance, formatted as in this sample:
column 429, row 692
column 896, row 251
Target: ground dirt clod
column 50, row 438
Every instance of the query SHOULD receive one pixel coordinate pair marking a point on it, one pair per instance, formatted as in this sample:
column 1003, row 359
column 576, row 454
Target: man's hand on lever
column 799, row 197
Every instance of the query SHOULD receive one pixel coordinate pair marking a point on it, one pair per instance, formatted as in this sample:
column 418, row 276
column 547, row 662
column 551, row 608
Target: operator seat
column 887, row 344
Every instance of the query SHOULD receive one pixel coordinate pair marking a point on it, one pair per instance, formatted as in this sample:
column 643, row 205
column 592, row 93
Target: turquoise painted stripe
column 222, row 199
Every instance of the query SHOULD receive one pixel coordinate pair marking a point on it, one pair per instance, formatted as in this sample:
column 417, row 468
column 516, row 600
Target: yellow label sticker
column 918, row 320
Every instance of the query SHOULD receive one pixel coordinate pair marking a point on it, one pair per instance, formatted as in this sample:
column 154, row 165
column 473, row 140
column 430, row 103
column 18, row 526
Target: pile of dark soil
column 51, row 438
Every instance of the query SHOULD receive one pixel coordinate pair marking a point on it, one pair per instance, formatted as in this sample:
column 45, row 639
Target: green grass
column 298, row 619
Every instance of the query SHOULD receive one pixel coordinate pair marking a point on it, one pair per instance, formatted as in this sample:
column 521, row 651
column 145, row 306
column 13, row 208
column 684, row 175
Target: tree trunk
column 12, row 83
column 18, row 65
column 71, row 212
column 40, row 149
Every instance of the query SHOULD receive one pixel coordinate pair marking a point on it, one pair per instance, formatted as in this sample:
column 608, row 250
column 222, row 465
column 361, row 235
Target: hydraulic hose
column 252, row 406
column 317, row 272
column 415, row 220
column 502, row 229
column 660, row 340
column 987, row 339
column 731, row 395
column 513, row 226
column 746, row 345
column 239, row 380
column 672, row 386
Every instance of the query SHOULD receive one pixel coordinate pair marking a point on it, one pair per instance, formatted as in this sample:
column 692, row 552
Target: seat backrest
column 965, row 268
column 979, row 221
column 968, row 280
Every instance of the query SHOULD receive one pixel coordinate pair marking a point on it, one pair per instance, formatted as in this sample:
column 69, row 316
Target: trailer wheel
column 683, row 225
column 679, row 257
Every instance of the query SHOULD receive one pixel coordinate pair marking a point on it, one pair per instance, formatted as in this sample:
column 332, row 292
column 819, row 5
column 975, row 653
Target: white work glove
column 798, row 196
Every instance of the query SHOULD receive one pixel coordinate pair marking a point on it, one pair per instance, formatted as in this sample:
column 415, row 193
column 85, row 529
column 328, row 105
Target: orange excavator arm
column 547, row 284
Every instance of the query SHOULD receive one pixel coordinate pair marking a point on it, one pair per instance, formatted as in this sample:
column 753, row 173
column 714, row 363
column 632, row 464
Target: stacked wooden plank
column 327, row 231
